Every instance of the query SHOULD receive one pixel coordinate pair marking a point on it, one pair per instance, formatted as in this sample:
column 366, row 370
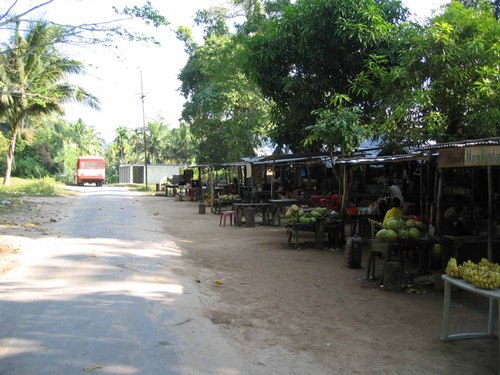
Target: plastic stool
column 224, row 215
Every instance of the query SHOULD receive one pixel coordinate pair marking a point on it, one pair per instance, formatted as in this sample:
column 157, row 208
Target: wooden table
column 276, row 206
column 318, row 228
column 264, row 208
column 396, row 249
column 493, row 317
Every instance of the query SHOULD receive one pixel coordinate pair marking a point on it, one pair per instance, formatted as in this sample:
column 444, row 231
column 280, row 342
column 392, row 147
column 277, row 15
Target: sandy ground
column 291, row 311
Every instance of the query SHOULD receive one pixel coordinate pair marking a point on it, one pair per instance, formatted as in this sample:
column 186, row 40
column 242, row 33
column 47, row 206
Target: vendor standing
column 395, row 192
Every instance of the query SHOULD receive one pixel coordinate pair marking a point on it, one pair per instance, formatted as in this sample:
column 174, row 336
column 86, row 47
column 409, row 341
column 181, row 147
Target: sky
column 114, row 75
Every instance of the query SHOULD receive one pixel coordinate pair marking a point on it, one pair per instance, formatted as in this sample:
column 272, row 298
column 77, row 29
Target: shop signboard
column 477, row 156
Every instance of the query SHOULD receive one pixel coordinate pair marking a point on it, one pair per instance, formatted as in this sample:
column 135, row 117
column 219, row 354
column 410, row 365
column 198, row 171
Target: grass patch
column 47, row 187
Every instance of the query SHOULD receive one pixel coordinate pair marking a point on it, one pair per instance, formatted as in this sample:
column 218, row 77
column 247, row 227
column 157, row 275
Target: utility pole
column 144, row 134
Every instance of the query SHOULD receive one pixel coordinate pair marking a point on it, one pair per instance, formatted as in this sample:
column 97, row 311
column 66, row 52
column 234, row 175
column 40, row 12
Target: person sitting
column 395, row 211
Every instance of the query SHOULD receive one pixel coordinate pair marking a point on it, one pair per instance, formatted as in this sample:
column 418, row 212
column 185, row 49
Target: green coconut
column 403, row 235
column 304, row 220
column 414, row 234
column 380, row 235
column 390, row 235
column 410, row 224
column 318, row 212
column 420, row 225
column 437, row 249
column 394, row 224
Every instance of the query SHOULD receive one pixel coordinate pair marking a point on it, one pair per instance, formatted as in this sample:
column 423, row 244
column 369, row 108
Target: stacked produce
column 296, row 214
column 398, row 229
column 453, row 269
column 228, row 197
column 485, row 275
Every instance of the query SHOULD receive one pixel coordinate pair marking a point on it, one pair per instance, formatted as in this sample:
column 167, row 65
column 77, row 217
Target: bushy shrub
column 45, row 186
column 29, row 167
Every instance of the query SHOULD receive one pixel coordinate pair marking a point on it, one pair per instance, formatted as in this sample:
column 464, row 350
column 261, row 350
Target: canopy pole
column 438, row 200
column 421, row 190
column 212, row 188
column 272, row 179
column 490, row 213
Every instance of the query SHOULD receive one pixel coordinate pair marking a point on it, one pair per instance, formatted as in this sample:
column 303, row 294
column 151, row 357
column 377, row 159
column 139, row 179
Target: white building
column 157, row 173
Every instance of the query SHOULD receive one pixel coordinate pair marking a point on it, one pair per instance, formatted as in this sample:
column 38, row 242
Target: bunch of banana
column 486, row 279
column 494, row 267
column 469, row 269
column 453, row 269
column 484, row 274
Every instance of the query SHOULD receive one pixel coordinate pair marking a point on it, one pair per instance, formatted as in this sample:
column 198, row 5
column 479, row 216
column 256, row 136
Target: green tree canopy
column 226, row 113
column 305, row 55
column 438, row 81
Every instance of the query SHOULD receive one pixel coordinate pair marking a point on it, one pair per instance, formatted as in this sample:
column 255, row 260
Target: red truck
column 90, row 169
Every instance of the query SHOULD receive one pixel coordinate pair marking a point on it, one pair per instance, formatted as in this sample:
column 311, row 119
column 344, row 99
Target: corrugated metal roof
column 465, row 143
column 292, row 159
column 233, row 164
column 384, row 159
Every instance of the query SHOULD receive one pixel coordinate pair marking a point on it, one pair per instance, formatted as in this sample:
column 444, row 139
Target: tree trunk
column 10, row 156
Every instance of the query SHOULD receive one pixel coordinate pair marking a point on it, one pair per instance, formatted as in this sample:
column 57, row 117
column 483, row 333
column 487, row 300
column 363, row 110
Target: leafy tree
column 137, row 143
column 35, row 156
column 121, row 141
column 439, row 81
column 156, row 137
column 305, row 55
column 164, row 146
column 340, row 130
column 50, row 147
column 87, row 139
column 494, row 4
column 181, row 146
column 226, row 113
column 32, row 82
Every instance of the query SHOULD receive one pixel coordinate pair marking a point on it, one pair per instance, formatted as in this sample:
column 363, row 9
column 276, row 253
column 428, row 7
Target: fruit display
column 228, row 197
column 296, row 214
column 399, row 229
column 453, row 269
column 386, row 235
column 485, row 275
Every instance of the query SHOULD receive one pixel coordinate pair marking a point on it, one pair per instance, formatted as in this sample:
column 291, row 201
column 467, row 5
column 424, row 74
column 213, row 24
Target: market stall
column 467, row 197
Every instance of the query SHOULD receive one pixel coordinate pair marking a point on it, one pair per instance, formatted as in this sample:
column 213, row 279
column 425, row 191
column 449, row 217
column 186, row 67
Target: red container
column 352, row 211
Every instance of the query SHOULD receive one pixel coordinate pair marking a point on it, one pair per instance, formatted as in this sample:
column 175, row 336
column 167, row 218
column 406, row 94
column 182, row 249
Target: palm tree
column 88, row 140
column 121, row 141
column 32, row 74
column 182, row 148
column 136, row 142
column 157, row 136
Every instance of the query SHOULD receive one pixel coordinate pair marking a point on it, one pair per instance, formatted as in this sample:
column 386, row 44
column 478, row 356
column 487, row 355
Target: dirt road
column 236, row 300
column 98, row 291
